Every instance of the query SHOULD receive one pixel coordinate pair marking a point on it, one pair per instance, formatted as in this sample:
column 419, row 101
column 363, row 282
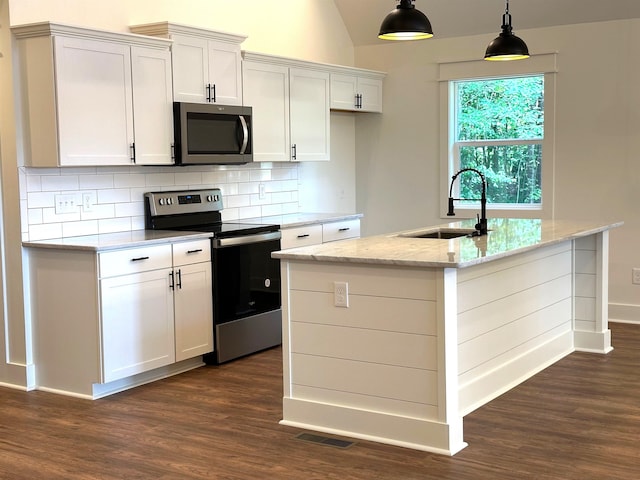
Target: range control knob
column 209, row 198
column 161, row 201
column 169, row 201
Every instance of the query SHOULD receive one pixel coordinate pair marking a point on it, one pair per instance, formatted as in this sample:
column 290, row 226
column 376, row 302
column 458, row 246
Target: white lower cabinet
column 137, row 323
column 155, row 317
column 102, row 317
column 317, row 233
column 193, row 309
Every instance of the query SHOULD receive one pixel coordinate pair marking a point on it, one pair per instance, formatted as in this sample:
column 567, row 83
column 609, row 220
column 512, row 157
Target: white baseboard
column 624, row 313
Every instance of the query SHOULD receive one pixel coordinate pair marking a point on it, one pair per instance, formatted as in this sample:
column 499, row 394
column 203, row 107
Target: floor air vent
column 332, row 442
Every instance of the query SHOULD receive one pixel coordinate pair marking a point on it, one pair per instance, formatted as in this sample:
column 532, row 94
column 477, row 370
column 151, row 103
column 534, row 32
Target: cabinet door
column 190, row 69
column 266, row 89
column 95, row 108
column 225, row 73
column 137, row 323
column 309, row 110
column 371, row 91
column 343, row 92
column 152, row 105
column 193, row 310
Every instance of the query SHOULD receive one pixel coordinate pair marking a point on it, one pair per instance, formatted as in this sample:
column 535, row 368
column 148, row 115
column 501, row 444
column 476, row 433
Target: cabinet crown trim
column 167, row 29
column 293, row 62
column 52, row 29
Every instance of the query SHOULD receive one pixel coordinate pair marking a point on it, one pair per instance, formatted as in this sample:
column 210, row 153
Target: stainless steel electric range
column 247, row 314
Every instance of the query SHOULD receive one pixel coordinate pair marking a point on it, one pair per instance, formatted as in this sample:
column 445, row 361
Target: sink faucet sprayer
column 481, row 226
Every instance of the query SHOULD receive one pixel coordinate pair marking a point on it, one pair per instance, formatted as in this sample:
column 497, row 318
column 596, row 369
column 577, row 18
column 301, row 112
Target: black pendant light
column 506, row 46
column 405, row 23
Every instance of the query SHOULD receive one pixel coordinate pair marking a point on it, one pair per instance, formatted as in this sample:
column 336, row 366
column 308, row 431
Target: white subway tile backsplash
column 238, row 201
column 40, row 199
column 214, row 178
column 85, row 227
column 188, row 178
column 271, row 210
column 249, row 212
column 251, row 187
column 123, row 180
column 33, row 183
column 52, row 183
column 239, row 176
column 137, row 223
column 119, row 194
column 99, row 211
column 49, row 215
column 112, row 225
column 45, row 231
column 130, row 209
column 114, row 195
column 34, row 216
column 260, row 175
column 160, row 179
column 95, row 181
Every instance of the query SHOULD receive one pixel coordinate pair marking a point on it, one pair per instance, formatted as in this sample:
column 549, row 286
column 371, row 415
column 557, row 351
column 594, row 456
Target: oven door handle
column 246, row 239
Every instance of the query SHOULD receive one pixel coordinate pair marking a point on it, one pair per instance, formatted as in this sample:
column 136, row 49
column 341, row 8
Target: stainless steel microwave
column 210, row 134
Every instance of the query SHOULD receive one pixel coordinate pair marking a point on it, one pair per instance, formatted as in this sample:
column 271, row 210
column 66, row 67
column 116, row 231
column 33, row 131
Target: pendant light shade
column 506, row 46
column 405, row 23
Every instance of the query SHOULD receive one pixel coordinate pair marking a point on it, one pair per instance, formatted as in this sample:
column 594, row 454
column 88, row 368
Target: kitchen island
column 395, row 338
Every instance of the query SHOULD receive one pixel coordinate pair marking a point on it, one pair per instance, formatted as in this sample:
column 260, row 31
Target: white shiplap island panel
column 435, row 328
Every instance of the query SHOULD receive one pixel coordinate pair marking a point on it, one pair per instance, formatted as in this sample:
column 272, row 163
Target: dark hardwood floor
column 579, row 419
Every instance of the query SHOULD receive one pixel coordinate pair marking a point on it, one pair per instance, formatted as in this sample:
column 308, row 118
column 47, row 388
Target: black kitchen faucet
column 481, row 226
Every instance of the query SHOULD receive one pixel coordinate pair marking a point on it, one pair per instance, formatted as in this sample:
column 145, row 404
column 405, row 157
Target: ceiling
column 456, row 18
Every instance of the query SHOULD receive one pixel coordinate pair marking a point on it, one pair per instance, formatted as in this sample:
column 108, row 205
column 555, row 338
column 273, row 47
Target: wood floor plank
column 578, row 419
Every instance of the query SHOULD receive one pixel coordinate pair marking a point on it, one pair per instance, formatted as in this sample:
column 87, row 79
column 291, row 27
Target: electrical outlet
column 88, row 199
column 261, row 191
column 635, row 278
column 341, row 294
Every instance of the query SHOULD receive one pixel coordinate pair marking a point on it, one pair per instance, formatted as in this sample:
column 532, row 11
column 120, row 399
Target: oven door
column 246, row 278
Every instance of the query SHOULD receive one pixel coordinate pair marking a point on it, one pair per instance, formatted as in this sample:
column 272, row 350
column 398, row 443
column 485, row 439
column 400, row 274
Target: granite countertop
column 113, row 241
column 507, row 236
column 292, row 220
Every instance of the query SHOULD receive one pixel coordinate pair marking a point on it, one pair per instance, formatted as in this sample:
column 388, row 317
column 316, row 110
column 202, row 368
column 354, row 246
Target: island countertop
column 507, row 236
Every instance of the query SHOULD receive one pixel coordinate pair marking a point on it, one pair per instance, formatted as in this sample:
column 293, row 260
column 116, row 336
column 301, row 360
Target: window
column 499, row 129
column 501, row 125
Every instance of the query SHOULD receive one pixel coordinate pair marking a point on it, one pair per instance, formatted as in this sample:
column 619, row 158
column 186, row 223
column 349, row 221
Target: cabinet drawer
column 134, row 260
column 340, row 230
column 301, row 236
column 185, row 253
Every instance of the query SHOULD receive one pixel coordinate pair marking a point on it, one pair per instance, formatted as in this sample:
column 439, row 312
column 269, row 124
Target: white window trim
column 478, row 70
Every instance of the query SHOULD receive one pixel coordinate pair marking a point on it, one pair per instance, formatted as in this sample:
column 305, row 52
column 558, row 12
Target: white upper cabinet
column 152, row 106
column 290, row 102
column 357, row 91
column 309, row 114
column 92, row 98
column 206, row 64
column 95, row 101
column 266, row 90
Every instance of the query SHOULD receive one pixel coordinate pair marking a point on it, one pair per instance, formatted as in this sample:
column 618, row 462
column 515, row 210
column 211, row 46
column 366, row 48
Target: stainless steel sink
column 442, row 233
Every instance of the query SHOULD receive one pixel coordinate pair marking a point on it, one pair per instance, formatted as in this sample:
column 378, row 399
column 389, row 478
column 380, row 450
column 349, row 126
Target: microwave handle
column 245, row 134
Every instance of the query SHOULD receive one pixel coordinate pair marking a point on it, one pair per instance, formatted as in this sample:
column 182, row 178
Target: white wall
column 597, row 174
column 306, row 29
